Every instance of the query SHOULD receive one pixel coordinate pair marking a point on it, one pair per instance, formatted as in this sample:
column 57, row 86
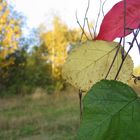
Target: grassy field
column 39, row 117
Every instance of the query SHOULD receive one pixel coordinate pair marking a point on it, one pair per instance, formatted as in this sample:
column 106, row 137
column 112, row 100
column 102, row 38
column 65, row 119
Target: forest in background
column 25, row 66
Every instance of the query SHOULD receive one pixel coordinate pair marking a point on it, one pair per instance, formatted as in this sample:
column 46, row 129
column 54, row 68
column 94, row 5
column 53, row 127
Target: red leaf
column 113, row 23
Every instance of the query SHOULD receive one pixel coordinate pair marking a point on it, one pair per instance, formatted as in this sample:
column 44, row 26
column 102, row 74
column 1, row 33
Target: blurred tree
column 14, row 73
column 137, row 71
column 58, row 41
column 10, row 31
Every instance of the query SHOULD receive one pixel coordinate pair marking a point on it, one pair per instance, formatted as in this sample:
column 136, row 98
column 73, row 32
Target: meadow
column 40, row 116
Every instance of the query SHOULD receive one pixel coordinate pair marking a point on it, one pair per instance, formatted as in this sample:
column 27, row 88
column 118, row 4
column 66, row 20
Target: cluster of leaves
column 110, row 107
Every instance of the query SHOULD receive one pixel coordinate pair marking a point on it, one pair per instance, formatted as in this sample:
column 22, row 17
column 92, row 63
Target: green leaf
column 89, row 62
column 111, row 112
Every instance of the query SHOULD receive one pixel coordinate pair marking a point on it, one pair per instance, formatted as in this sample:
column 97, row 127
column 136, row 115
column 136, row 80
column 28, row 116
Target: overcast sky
column 43, row 11
column 39, row 11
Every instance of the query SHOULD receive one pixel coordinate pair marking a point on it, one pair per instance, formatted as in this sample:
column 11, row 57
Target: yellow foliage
column 6, row 63
column 10, row 31
column 57, row 42
column 137, row 71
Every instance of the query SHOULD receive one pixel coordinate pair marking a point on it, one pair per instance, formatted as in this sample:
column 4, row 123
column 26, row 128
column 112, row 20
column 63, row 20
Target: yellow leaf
column 89, row 62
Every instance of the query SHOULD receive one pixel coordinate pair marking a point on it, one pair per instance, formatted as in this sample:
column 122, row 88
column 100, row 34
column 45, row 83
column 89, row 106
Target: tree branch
column 89, row 29
column 103, row 7
column 98, row 17
column 83, row 31
column 114, row 58
column 131, row 45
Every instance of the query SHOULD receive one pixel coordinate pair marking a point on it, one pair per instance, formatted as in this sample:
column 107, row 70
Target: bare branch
column 98, row 16
column 103, row 7
column 114, row 58
column 85, row 19
column 131, row 45
column 138, row 44
column 83, row 31
column 89, row 29
column 123, row 46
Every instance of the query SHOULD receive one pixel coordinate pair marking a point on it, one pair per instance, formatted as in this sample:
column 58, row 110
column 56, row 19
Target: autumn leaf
column 112, row 25
column 89, row 63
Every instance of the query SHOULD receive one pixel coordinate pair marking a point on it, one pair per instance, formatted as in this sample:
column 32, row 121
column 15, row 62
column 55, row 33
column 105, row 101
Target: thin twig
column 94, row 32
column 83, row 31
column 89, row 29
column 131, row 45
column 114, row 58
column 103, row 7
column 122, row 50
column 85, row 19
column 83, row 28
column 98, row 16
column 137, row 43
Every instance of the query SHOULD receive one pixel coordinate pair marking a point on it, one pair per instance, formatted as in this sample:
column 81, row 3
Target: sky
column 43, row 11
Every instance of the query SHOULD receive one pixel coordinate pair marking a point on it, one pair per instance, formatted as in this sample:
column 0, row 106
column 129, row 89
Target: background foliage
column 25, row 66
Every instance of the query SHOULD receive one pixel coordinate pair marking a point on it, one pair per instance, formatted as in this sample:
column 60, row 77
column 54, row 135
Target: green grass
column 41, row 116
column 47, row 117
